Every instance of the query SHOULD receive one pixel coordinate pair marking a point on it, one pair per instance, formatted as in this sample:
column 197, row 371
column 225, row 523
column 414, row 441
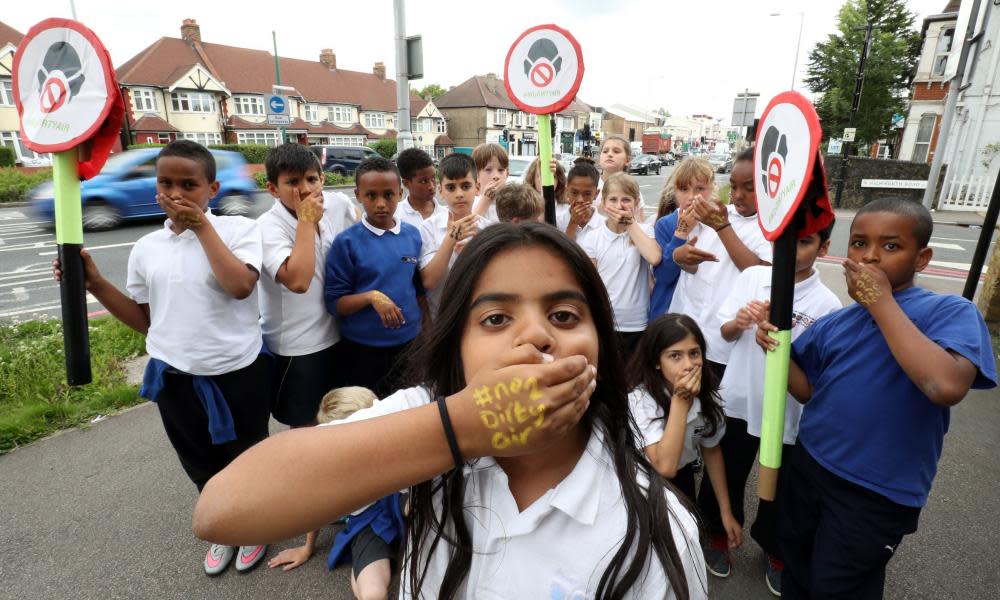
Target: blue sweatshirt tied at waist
column 220, row 420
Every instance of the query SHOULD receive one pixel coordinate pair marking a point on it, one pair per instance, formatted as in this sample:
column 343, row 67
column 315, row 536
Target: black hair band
column 449, row 432
column 728, row 224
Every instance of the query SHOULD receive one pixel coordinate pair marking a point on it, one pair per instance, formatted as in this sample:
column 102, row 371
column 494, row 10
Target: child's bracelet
column 449, row 433
column 728, row 224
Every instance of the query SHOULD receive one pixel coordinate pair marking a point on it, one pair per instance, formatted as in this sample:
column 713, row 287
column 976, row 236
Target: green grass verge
column 35, row 399
column 724, row 194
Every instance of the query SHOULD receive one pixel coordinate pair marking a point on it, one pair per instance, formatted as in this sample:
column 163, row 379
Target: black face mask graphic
column 62, row 57
column 774, row 142
column 543, row 48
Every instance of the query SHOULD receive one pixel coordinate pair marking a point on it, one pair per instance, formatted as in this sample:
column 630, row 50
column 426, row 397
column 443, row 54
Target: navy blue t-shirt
column 361, row 261
column 866, row 421
column 666, row 273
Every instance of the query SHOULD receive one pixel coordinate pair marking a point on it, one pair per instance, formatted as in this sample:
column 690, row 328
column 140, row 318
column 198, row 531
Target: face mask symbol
column 60, row 77
column 543, row 63
column 773, row 151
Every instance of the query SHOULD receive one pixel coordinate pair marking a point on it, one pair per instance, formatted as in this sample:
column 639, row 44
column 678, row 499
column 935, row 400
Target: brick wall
column 930, row 90
column 859, row 168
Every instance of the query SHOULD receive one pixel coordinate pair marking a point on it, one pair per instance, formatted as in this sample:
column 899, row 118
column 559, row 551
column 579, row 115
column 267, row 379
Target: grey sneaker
column 218, row 558
column 717, row 557
column 249, row 557
column 773, row 575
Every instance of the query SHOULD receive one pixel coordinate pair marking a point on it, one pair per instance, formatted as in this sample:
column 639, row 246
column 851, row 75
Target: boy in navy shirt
column 877, row 379
column 373, row 281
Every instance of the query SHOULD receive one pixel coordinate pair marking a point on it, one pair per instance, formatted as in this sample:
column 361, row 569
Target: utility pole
column 859, row 83
column 404, row 139
column 277, row 74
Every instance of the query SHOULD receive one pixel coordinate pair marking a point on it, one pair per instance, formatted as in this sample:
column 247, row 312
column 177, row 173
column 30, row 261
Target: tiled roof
column 489, row 91
column 244, row 70
column 9, row 35
column 152, row 123
column 297, row 124
column 443, row 140
column 952, row 6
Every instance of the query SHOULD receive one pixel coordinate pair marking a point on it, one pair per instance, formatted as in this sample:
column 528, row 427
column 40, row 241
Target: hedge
column 330, row 179
column 15, row 184
column 7, row 156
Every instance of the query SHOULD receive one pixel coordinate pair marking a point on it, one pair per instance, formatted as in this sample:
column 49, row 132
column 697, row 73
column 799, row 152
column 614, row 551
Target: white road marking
column 953, row 265
column 92, row 248
column 20, row 294
column 934, row 237
column 14, row 283
column 945, row 246
column 12, row 215
column 29, row 246
column 40, row 308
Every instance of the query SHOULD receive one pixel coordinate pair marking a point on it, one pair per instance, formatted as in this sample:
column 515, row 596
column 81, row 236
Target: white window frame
column 595, row 123
column 6, row 91
column 532, row 120
column 311, row 112
column 144, row 100
column 567, row 123
column 921, row 148
column 249, row 105
column 442, row 127
column 265, row 137
column 196, row 102
column 205, row 138
column 518, row 119
column 163, row 138
column 347, row 140
column 940, row 62
column 11, row 139
column 375, row 120
column 339, row 114
column 500, row 116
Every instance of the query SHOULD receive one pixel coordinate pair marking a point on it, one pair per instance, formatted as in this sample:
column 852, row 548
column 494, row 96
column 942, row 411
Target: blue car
column 126, row 189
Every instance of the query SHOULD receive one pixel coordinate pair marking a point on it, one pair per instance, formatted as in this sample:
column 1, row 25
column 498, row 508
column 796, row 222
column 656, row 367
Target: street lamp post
column 798, row 44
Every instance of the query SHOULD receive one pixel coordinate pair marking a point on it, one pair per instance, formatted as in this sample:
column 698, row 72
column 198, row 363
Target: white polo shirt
column 700, row 294
column 432, row 233
column 560, row 545
column 649, row 418
column 341, row 208
column 624, row 271
column 407, row 214
column 742, row 387
column 194, row 325
column 296, row 324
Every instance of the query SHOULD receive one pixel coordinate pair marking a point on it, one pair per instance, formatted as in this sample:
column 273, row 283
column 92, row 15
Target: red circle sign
column 53, row 95
column 543, row 70
column 774, row 176
column 542, row 74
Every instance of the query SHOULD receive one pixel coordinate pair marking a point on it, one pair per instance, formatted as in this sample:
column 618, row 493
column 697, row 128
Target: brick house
column 211, row 93
column 10, row 125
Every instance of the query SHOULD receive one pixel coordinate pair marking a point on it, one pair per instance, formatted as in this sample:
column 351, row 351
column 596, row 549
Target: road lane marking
column 945, row 246
column 89, row 248
column 50, row 306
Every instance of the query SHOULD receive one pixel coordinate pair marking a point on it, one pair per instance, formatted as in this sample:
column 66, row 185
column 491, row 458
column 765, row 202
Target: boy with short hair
column 416, row 167
column 491, row 172
column 518, row 203
column 742, row 395
column 581, row 193
column 877, row 379
column 297, row 233
column 445, row 234
column 372, row 282
column 723, row 242
column 192, row 291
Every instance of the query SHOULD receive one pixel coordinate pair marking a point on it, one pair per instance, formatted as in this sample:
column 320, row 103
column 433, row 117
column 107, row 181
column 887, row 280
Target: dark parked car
column 667, row 159
column 644, row 164
column 126, row 189
column 343, row 160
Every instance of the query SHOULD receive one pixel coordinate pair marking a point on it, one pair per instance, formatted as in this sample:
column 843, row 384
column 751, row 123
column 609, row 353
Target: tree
column 892, row 58
column 386, row 147
column 433, row 90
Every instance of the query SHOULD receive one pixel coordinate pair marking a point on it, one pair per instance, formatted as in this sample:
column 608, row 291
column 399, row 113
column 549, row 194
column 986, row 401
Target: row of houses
column 188, row 88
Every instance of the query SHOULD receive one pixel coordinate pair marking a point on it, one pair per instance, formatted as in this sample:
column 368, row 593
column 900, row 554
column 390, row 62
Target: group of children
column 575, row 371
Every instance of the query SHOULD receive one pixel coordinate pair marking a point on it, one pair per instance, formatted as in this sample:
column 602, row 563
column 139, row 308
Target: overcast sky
column 689, row 57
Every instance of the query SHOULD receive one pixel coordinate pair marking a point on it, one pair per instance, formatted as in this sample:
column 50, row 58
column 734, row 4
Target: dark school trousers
column 684, row 481
column 378, row 368
column 300, row 384
column 248, row 394
column 739, row 452
column 836, row 536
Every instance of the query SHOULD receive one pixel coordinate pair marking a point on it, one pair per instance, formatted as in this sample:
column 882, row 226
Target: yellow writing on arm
column 509, row 418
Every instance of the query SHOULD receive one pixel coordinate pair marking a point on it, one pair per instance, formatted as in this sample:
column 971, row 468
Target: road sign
column 744, row 107
column 277, row 111
column 834, row 146
column 849, row 133
column 543, row 70
column 898, row 121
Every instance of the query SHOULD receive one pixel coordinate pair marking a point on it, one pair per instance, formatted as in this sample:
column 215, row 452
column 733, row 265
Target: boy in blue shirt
column 877, row 379
column 373, row 282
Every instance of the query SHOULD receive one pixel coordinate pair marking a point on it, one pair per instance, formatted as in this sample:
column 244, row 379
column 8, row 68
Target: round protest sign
column 543, row 70
column 788, row 137
column 64, row 85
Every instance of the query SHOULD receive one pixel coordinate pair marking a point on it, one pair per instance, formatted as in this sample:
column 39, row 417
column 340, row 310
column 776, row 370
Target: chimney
column 379, row 70
column 190, row 31
column 491, row 82
column 328, row 58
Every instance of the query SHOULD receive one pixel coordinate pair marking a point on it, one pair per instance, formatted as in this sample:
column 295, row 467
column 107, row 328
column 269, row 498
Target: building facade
column 10, row 125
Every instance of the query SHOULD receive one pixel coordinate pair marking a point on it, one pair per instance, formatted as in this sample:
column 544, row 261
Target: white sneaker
column 249, row 556
column 218, row 558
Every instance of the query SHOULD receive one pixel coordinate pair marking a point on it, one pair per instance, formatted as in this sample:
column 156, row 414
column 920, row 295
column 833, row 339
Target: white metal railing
column 972, row 194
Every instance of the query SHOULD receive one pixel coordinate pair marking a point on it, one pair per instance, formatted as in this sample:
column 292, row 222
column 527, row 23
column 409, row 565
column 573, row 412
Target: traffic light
column 585, row 135
column 505, row 135
column 552, row 126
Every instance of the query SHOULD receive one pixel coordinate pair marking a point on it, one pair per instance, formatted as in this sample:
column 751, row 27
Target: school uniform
column 700, row 294
column 869, row 442
column 741, row 391
column 625, row 274
column 206, row 373
column 364, row 258
column 341, row 208
column 407, row 214
column 665, row 274
column 296, row 327
column 650, row 420
column 433, row 231
column 522, row 554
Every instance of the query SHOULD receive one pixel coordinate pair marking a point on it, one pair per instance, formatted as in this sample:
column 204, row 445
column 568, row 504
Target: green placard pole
column 545, row 160
column 72, row 286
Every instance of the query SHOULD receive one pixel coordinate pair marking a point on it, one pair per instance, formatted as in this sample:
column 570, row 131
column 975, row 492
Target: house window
column 11, row 140
column 942, row 51
column 249, row 105
column 924, row 132
column 204, row 138
column 595, row 123
column 442, row 127
column 518, row 119
column 145, row 100
column 500, row 116
column 192, row 102
column 347, row 140
column 312, row 113
column 267, row 138
column 567, row 123
column 532, row 120
column 375, row 120
column 339, row 114
column 6, row 92
column 163, row 138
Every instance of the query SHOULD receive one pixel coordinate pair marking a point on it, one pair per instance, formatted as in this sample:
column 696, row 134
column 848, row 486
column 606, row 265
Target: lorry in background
column 655, row 142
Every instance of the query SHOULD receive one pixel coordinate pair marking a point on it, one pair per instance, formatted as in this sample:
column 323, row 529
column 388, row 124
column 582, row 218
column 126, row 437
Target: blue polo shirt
column 666, row 273
column 364, row 258
column 866, row 421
